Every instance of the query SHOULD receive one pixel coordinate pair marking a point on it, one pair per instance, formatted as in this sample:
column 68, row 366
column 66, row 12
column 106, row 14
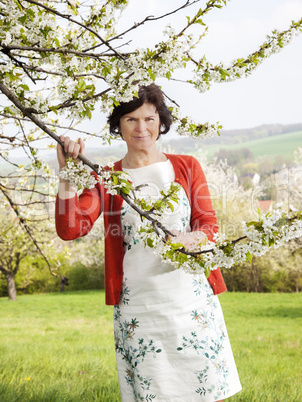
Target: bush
column 81, row 277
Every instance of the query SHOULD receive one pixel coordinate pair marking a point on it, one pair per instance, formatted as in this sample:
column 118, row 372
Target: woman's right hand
column 71, row 149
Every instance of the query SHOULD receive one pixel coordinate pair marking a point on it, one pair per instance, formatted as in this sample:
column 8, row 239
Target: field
column 59, row 347
column 273, row 146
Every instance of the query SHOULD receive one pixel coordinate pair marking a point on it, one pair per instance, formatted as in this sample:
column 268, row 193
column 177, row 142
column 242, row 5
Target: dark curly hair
column 146, row 94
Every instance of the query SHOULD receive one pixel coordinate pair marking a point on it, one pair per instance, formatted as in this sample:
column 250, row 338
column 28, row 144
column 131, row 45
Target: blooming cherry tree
column 62, row 60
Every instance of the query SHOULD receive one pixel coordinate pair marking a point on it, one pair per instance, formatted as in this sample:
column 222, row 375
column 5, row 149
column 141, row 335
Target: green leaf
column 31, row 13
column 168, row 74
column 125, row 190
column 151, row 73
column 69, row 71
column 25, row 87
column 22, row 19
column 81, row 85
column 54, row 109
column 171, row 206
column 19, row 5
column 199, row 13
column 200, row 21
column 176, row 246
column 251, row 223
column 8, row 110
column 249, row 256
column 150, row 242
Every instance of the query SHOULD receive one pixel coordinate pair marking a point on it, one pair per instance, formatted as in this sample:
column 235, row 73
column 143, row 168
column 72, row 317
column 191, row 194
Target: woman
column 170, row 337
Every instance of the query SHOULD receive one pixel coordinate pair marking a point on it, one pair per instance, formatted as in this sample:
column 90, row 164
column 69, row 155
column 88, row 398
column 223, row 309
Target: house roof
column 265, row 205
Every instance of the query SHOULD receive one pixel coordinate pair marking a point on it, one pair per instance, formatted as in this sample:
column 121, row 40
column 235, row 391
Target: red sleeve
column 76, row 216
column 203, row 218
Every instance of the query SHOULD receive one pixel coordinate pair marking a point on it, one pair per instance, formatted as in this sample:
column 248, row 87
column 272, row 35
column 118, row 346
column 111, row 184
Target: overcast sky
column 272, row 94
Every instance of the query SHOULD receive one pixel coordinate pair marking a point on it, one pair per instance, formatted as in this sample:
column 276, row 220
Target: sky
column 272, row 94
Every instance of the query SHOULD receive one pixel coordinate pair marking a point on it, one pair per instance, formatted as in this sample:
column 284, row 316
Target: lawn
column 59, row 347
column 272, row 147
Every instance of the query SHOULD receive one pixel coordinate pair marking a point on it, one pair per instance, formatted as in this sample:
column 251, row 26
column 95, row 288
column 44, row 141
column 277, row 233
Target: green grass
column 265, row 332
column 284, row 145
column 59, row 347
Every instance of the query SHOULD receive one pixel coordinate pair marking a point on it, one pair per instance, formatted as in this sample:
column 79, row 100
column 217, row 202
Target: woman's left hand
column 190, row 239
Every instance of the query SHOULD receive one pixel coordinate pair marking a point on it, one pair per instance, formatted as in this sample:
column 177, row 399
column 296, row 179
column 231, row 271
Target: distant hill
column 248, row 134
column 266, row 140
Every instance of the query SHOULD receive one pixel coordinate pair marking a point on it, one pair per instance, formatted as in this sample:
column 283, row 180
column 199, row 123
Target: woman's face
column 140, row 128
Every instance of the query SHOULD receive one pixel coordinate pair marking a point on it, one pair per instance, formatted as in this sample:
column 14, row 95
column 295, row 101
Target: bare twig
column 152, row 18
column 27, row 229
column 97, row 56
column 68, row 17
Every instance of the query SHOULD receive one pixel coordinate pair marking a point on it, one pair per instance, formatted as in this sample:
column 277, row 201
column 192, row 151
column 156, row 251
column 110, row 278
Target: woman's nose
column 141, row 125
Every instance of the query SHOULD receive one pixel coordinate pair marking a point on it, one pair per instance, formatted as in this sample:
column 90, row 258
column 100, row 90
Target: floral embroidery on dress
column 151, row 317
column 133, row 355
column 129, row 231
column 211, row 348
column 201, row 286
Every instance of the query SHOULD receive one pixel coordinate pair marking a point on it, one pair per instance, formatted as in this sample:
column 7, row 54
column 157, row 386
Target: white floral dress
column 170, row 336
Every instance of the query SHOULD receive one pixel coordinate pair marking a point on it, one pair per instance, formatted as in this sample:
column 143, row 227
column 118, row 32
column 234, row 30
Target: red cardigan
column 76, row 216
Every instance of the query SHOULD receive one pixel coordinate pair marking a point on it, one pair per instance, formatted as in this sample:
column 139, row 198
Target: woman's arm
column 71, row 149
column 75, row 215
column 203, row 218
column 203, row 215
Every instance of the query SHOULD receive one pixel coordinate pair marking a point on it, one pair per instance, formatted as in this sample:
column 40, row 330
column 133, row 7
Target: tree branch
column 27, row 230
column 152, row 18
column 97, row 56
column 68, row 17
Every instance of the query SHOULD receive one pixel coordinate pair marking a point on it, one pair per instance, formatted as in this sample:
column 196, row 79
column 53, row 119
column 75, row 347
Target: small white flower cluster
column 186, row 126
column 33, row 23
column 145, row 65
column 107, row 15
column 77, row 174
column 40, row 167
column 273, row 229
column 116, row 183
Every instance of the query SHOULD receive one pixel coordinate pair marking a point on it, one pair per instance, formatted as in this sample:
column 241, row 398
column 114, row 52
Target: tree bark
column 11, row 286
column 64, row 281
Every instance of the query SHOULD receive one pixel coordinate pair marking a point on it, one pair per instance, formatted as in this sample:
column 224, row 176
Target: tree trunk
column 11, row 286
column 64, row 281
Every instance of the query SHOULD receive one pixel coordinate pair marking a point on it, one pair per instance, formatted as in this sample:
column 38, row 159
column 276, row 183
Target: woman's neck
column 133, row 160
